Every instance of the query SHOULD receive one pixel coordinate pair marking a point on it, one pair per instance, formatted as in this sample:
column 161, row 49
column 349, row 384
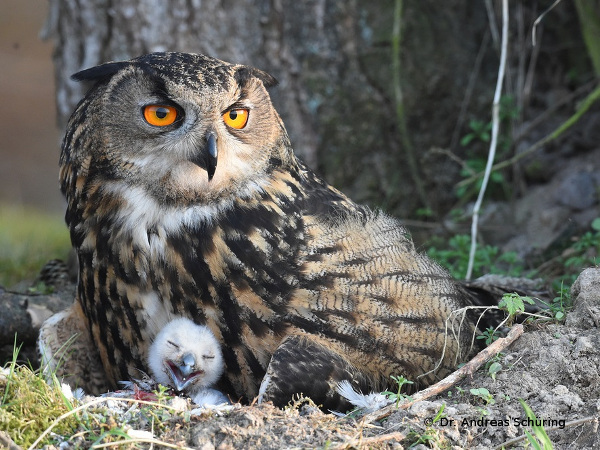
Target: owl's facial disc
column 207, row 158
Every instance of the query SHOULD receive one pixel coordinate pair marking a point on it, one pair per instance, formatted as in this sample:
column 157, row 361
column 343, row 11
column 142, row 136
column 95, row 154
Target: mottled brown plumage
column 227, row 227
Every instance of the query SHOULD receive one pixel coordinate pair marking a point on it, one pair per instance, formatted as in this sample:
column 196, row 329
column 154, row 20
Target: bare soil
column 553, row 367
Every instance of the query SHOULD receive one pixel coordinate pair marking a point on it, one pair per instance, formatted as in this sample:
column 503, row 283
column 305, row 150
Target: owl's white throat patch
column 142, row 211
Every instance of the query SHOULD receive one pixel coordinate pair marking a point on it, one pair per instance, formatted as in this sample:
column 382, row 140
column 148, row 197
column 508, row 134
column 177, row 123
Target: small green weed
column 477, row 140
column 455, row 258
column 582, row 253
column 459, row 392
column 489, row 334
column 514, row 304
column 540, row 441
column 559, row 306
column 494, row 368
column 430, row 437
column 484, row 395
column 478, row 131
column 398, row 396
column 494, row 365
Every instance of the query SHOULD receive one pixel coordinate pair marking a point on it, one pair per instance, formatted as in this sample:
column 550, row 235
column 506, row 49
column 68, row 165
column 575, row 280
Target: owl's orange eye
column 236, row 118
column 160, row 115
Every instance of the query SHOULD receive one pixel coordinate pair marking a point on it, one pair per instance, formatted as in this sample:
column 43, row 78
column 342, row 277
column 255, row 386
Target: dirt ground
column 554, row 368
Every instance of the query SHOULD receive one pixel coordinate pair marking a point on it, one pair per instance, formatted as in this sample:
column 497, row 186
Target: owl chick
column 187, row 356
column 185, row 198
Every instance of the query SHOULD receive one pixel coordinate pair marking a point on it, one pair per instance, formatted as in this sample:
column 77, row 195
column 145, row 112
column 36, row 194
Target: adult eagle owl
column 185, row 199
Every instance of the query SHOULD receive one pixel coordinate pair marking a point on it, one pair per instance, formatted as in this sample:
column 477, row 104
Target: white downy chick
column 188, row 357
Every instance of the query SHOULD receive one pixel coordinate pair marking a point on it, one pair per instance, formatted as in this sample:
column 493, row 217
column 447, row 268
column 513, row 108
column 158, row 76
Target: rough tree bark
column 333, row 61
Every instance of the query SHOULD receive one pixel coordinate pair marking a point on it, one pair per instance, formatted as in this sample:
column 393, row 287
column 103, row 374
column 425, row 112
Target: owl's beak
column 211, row 154
column 207, row 157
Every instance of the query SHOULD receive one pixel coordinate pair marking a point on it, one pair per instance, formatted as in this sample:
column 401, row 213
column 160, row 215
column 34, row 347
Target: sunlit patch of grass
column 28, row 405
column 36, row 412
column 28, row 239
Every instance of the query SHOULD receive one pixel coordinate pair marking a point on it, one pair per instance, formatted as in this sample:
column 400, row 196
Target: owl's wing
column 67, row 351
column 301, row 365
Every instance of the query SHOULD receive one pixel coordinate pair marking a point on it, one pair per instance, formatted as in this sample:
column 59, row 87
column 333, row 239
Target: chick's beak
column 184, row 373
column 187, row 367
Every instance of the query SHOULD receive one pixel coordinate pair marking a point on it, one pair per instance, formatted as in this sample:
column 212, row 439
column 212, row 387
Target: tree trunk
column 334, row 64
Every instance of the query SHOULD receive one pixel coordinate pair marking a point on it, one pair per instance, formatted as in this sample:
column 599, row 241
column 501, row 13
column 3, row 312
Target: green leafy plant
column 459, row 392
column 474, row 165
column 489, row 334
column 162, row 394
column 559, row 306
column 582, row 253
column 514, row 304
column 430, row 437
column 488, row 259
column 477, row 139
column 494, row 368
column 398, row 396
column 494, row 365
column 479, row 130
column 484, row 395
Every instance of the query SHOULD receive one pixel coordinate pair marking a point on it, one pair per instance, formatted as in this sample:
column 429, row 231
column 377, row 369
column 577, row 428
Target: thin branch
column 494, row 140
column 573, row 423
column 489, row 9
column 468, row 369
column 585, row 105
column 367, row 441
column 527, row 87
column 539, row 19
column 93, row 403
column 469, row 91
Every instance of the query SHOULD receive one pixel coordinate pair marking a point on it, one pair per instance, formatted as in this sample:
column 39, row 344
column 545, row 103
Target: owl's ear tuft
column 100, row 72
column 245, row 73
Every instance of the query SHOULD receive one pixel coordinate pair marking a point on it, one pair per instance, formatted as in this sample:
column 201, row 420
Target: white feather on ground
column 366, row 402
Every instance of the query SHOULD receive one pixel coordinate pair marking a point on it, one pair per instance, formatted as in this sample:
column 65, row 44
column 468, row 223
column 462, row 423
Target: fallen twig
column 573, row 423
column 468, row 369
column 397, row 436
column 93, row 403
column 151, row 441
